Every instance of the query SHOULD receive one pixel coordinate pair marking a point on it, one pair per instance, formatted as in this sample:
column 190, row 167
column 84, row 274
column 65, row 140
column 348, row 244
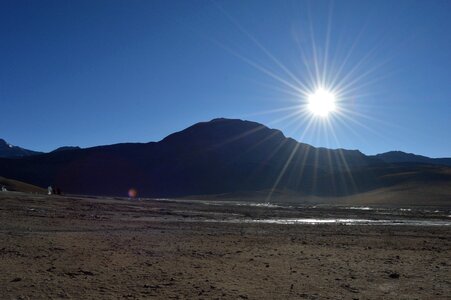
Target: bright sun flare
column 321, row 103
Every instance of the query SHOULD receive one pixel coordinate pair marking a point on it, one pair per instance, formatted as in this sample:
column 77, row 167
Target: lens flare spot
column 132, row 193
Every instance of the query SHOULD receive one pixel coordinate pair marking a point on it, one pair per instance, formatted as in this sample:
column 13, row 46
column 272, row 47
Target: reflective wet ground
column 298, row 214
column 103, row 248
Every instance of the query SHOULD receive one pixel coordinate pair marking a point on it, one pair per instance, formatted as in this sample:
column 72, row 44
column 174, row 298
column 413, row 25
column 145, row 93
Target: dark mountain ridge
column 65, row 148
column 10, row 151
column 403, row 157
column 220, row 156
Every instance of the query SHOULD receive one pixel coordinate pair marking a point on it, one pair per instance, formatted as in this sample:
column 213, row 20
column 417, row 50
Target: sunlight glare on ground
column 321, row 103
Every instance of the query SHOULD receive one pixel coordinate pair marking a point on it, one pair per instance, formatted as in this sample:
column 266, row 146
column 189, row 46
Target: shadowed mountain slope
column 65, row 148
column 402, row 157
column 8, row 150
column 18, row 186
column 220, row 156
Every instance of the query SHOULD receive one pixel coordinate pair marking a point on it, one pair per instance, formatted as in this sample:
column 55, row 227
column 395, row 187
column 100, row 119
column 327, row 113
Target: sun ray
column 347, row 57
column 272, row 111
column 340, row 154
column 305, row 61
column 260, row 46
column 327, row 86
column 261, row 68
column 327, row 44
column 282, row 172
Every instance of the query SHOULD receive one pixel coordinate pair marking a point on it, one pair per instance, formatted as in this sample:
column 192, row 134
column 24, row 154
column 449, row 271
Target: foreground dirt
column 97, row 248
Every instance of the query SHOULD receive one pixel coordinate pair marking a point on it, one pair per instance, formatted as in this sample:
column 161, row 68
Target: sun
column 321, row 102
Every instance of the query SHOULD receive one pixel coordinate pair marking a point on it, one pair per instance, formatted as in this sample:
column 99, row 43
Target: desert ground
column 71, row 247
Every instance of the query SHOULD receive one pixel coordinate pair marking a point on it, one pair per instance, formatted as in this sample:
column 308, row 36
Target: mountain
column 218, row 157
column 8, row 150
column 403, row 157
column 65, row 148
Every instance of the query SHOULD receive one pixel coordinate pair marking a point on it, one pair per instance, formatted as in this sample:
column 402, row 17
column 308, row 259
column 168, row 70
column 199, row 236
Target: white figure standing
column 50, row 189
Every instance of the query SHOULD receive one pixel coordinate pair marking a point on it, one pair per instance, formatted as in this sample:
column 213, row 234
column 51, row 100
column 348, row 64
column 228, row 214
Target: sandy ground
column 100, row 248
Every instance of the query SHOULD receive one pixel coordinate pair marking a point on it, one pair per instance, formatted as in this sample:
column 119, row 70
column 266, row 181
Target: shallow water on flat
column 317, row 214
column 318, row 221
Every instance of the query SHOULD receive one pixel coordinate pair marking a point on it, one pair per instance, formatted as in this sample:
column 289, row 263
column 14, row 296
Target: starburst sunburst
column 321, row 102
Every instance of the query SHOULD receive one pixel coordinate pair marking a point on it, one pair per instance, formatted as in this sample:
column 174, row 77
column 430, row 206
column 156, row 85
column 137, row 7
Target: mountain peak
column 223, row 120
column 219, row 130
column 212, row 157
column 9, row 151
column 65, row 148
column 404, row 157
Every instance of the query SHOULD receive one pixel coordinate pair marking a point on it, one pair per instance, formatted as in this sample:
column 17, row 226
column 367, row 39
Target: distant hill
column 18, row 186
column 219, row 157
column 403, row 157
column 65, row 148
column 405, row 189
column 9, row 151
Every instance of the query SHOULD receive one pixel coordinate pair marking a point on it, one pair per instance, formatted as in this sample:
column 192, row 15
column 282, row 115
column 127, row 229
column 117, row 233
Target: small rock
column 88, row 273
column 150, row 286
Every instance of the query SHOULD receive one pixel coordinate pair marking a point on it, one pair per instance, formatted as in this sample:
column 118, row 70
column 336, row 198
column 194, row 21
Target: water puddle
column 317, row 221
column 360, row 207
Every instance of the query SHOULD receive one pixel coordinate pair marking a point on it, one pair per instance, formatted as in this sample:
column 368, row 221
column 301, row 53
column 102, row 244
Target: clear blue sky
column 100, row 72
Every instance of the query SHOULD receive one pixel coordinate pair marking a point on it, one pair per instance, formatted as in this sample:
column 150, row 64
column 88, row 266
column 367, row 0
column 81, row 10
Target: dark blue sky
column 101, row 72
